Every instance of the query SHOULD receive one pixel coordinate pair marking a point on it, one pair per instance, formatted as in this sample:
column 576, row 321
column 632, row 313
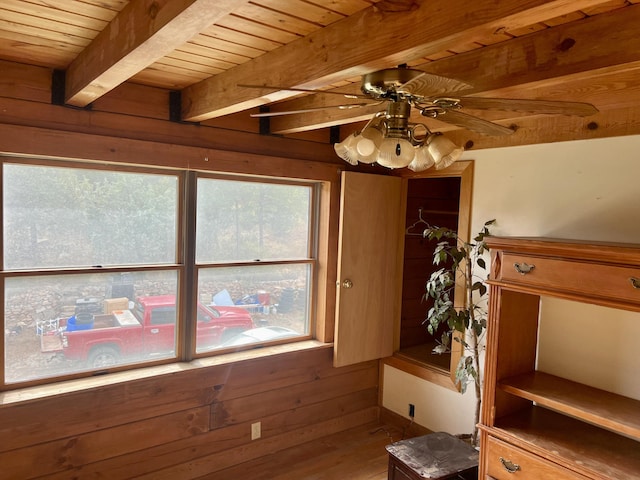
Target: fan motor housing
column 385, row 83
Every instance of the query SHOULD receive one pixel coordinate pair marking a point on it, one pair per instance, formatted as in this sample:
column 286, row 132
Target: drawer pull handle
column 509, row 466
column 523, row 268
column 635, row 282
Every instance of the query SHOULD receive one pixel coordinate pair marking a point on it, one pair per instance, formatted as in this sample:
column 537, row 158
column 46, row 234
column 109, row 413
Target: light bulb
column 368, row 145
column 395, row 153
column 422, row 161
column 346, row 149
column 365, row 146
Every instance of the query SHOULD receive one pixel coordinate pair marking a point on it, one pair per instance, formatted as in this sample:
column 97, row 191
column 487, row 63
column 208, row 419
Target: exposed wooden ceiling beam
column 373, row 33
column 140, row 34
column 551, row 57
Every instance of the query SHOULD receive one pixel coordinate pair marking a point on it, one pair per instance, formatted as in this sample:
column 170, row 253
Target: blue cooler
column 80, row 321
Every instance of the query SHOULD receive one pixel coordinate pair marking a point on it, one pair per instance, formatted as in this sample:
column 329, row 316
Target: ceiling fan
column 392, row 141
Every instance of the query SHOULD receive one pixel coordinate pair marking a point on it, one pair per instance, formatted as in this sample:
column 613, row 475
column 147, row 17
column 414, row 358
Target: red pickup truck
column 146, row 330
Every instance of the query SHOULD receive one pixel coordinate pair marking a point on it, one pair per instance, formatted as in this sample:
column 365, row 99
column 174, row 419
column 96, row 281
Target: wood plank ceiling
column 579, row 50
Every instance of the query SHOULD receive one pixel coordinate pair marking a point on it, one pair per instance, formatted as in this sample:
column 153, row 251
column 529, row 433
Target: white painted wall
column 576, row 190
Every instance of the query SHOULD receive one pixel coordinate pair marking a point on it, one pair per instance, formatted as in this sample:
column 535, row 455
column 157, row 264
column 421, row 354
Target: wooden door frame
column 462, row 169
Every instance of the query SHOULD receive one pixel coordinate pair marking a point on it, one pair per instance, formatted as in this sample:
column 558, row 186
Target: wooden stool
column 435, row 456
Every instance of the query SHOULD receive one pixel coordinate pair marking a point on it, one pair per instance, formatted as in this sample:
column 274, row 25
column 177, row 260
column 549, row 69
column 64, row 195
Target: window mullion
column 187, row 318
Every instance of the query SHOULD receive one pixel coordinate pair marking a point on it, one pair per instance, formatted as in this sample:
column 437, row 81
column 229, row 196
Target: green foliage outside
column 67, row 217
column 246, row 221
column 76, row 217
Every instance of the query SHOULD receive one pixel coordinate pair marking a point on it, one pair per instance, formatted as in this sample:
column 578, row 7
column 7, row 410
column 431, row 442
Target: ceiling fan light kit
column 391, row 141
column 398, row 151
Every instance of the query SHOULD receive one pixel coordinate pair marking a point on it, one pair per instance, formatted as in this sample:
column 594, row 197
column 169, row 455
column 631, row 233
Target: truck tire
column 101, row 357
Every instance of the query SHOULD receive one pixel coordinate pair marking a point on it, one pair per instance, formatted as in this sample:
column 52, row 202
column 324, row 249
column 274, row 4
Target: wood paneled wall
column 438, row 199
column 186, row 424
column 139, row 112
column 192, row 420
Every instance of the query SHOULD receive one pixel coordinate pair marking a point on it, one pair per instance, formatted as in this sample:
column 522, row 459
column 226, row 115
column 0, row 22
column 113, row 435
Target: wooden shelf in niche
column 604, row 409
column 423, row 354
column 565, row 440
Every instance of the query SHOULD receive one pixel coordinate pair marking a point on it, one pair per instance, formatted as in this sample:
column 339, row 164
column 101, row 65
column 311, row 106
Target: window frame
column 312, row 257
column 184, row 266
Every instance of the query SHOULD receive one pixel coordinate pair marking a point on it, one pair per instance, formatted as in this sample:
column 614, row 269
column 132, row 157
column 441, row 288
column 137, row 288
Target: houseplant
column 465, row 321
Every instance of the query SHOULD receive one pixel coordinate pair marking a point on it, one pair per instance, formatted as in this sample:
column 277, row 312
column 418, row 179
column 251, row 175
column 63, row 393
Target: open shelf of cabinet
column 564, row 441
column 599, row 407
column 541, row 426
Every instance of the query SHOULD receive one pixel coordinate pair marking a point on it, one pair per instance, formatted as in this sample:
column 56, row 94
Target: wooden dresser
column 537, row 426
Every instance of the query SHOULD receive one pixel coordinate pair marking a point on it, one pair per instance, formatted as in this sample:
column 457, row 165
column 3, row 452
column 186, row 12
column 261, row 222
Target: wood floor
column 356, row 454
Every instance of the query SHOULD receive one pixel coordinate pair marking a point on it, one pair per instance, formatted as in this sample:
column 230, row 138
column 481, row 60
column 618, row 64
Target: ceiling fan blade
column 314, row 109
column 529, row 106
column 293, row 89
column 475, row 124
column 429, row 85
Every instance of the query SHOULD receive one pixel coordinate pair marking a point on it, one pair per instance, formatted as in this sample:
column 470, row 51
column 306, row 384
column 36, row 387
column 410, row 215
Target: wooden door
column 369, row 267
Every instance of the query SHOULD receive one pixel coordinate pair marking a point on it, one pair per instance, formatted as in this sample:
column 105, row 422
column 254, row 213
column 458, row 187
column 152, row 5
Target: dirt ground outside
column 32, row 314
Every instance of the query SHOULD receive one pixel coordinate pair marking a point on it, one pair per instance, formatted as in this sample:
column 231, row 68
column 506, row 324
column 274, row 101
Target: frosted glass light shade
column 346, row 149
column 422, row 160
column 443, row 151
column 416, row 147
column 395, row 153
column 368, row 145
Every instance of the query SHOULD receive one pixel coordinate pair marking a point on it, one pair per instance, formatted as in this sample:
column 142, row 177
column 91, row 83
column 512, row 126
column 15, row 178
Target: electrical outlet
column 255, row 431
column 412, row 410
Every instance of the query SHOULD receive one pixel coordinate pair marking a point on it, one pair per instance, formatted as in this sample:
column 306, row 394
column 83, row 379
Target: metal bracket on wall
column 265, row 122
column 175, row 108
column 334, row 134
column 58, row 81
column 58, row 86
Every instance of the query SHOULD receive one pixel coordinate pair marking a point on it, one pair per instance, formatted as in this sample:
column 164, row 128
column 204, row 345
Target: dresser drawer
column 609, row 281
column 506, row 462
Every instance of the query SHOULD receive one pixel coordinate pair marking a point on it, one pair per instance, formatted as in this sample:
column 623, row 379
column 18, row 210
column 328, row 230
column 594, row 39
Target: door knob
column 347, row 283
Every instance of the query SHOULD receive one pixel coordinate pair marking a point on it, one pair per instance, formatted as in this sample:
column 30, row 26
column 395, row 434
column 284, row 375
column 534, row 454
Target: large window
column 119, row 267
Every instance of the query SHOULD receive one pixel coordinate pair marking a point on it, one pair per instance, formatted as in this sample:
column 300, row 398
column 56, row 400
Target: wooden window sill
column 61, row 388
